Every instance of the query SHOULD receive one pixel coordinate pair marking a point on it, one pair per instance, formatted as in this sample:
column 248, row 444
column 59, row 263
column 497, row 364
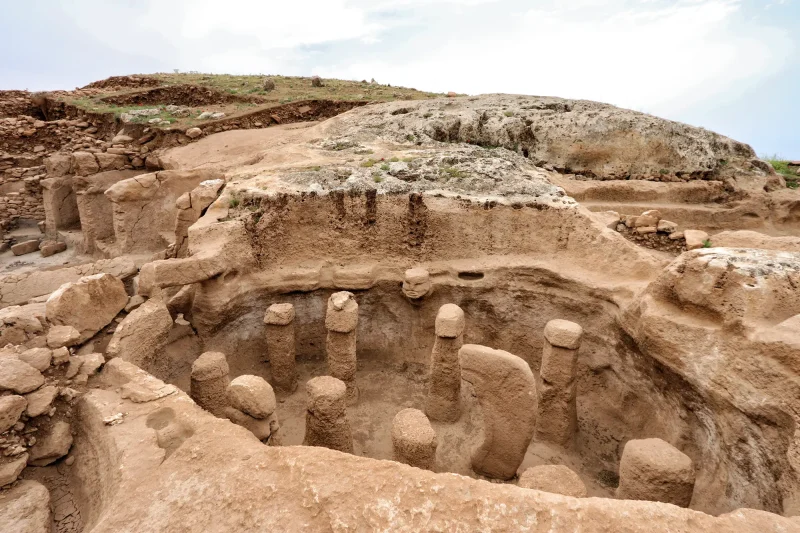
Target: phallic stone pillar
column 280, row 345
column 252, row 405
column 341, row 321
column 654, row 470
column 209, row 382
column 558, row 415
column 416, row 283
column 443, row 402
column 413, row 439
column 326, row 416
column 506, row 391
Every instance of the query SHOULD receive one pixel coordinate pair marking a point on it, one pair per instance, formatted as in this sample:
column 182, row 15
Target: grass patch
column 453, row 172
column 234, row 202
column 385, row 167
column 369, row 163
column 377, row 177
column 782, row 167
column 707, row 243
column 509, row 113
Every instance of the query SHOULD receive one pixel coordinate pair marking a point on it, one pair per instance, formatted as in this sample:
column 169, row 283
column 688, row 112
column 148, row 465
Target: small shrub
column 663, row 171
column 377, row 177
column 385, row 167
column 509, row 113
column 369, row 163
column 707, row 243
column 234, row 202
column 411, row 138
column 453, row 172
column 394, row 160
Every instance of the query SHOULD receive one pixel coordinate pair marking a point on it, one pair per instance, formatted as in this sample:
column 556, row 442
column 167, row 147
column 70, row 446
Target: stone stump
column 279, row 321
column 443, row 402
column 209, row 382
column 251, row 404
column 654, row 470
column 341, row 321
column 326, row 415
column 556, row 479
column 558, row 414
column 506, row 391
column 413, row 439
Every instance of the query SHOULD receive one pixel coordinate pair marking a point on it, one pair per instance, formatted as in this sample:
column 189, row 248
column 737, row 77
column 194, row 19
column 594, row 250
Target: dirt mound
column 15, row 103
column 124, row 81
column 187, row 95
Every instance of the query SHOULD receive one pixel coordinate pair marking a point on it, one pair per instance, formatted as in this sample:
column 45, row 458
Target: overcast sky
column 732, row 66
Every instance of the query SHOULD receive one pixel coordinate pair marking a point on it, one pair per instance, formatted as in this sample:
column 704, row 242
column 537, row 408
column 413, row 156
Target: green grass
column 369, row 163
column 453, row 172
column 385, row 167
column 782, row 167
column 707, row 243
column 509, row 113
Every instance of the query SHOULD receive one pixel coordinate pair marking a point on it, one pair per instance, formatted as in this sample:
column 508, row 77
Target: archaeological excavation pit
column 301, row 324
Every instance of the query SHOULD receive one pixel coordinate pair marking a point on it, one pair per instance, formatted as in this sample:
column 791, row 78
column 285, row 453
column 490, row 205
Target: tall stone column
column 558, row 414
column 209, row 382
column 443, row 403
column 341, row 321
column 280, row 345
column 326, row 416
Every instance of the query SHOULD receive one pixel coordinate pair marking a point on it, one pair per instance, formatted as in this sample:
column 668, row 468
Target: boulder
column 58, row 165
column 84, row 164
column 52, row 248
column 40, row 401
column 252, row 395
column 111, row 161
column 59, row 336
column 11, row 469
column 316, row 81
column 52, row 446
column 25, row 508
column 194, row 133
column 11, row 408
column 142, row 334
column 654, row 470
column 18, row 376
column 26, row 247
column 695, row 239
column 88, row 305
column 38, row 358
column 19, row 324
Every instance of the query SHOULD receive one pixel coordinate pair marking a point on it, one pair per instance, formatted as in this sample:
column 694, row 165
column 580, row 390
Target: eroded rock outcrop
column 88, row 304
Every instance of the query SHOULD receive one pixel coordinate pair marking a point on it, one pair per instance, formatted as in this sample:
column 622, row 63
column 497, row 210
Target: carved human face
column 417, row 283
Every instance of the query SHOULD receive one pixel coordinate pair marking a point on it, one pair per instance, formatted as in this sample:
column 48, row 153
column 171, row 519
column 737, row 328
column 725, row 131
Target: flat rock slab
column 27, row 247
column 25, row 509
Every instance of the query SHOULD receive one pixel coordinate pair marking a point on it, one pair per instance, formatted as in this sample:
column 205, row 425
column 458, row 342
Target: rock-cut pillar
column 209, row 382
column 558, row 415
column 443, row 402
column 341, row 321
column 279, row 321
column 326, row 415
column 506, row 391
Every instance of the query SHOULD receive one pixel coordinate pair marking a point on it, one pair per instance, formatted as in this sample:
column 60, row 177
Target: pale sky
column 731, row 66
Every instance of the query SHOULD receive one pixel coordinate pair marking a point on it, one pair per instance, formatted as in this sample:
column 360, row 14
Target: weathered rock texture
column 142, row 335
column 413, row 439
column 25, row 508
column 341, row 321
column 654, row 470
column 506, row 391
column 88, row 304
column 209, row 382
column 557, row 386
column 279, row 320
column 557, row 479
column 326, row 419
column 443, row 402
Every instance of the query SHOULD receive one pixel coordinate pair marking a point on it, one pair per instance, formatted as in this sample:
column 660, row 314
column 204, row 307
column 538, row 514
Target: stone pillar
column 506, row 391
column 654, row 470
column 252, row 405
column 341, row 321
column 280, row 346
column 443, row 403
column 413, row 439
column 416, row 283
column 326, row 417
column 558, row 415
column 209, row 383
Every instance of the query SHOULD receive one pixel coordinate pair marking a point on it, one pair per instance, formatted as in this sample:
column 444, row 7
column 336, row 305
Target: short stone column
column 209, row 382
column 556, row 387
column 341, row 321
column 654, row 470
column 413, row 439
column 252, row 405
column 326, row 415
column 279, row 321
column 443, row 402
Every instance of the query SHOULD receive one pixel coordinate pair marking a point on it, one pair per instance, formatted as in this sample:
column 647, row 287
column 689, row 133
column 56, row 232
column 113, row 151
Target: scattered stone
column 59, row 336
column 142, row 334
column 25, row 508
column 88, row 305
column 316, row 81
column 52, row 446
column 11, row 408
column 654, row 470
column 134, row 302
column 27, row 247
column 252, row 395
column 194, row 133
column 9, row 473
column 114, row 420
column 665, row 226
column 38, row 358
column 695, row 239
column 18, row 376
column 75, row 364
column 413, row 439
column 52, row 248
column 40, row 401
column 91, row 364
column 556, row 479
column 60, row 356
